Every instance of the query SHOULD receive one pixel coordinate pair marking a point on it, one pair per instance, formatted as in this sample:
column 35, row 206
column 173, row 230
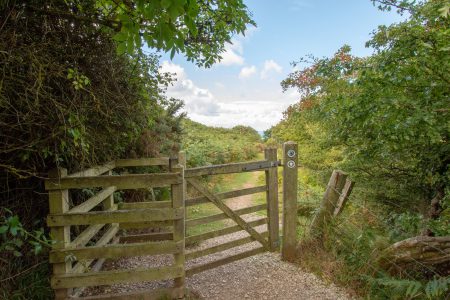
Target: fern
column 412, row 289
column 437, row 288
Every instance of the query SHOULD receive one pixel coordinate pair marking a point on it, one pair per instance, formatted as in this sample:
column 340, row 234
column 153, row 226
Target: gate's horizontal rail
column 94, row 171
column 142, row 162
column 230, row 168
column 226, row 260
column 223, row 247
column 141, row 294
column 223, row 231
column 116, row 251
column 93, row 201
column 146, row 237
column 83, row 265
column 146, row 204
column 140, row 225
column 118, row 216
column 226, row 195
column 86, row 235
column 221, row 216
column 114, row 277
column 121, row 182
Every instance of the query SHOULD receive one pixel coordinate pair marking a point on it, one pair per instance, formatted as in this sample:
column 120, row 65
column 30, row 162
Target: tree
column 390, row 110
column 197, row 28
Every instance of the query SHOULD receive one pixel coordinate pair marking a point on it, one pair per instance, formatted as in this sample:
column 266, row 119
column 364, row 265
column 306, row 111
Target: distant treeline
column 207, row 145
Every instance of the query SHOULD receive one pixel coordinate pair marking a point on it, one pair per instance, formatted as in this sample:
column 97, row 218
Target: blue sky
column 244, row 88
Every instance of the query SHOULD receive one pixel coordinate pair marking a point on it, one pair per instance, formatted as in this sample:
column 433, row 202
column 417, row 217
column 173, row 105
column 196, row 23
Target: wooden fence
column 78, row 257
column 87, row 234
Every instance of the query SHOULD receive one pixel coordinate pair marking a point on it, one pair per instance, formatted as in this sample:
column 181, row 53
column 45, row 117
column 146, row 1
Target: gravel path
column 262, row 276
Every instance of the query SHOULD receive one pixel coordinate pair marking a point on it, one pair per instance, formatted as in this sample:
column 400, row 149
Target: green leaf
column 121, row 36
column 3, row 229
column 121, row 48
column 13, row 231
column 166, row 3
column 445, row 11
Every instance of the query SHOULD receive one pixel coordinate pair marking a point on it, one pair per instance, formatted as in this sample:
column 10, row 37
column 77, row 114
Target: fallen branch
column 419, row 250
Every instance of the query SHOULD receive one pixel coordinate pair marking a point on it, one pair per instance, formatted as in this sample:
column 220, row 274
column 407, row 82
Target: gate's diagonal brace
column 228, row 211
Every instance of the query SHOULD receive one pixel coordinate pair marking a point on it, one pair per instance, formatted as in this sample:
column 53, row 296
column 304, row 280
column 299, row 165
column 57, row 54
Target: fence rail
column 77, row 256
column 89, row 233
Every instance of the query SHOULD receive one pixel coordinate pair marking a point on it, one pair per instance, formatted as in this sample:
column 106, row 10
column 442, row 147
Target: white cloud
column 198, row 100
column 269, row 67
column 247, row 72
column 233, row 54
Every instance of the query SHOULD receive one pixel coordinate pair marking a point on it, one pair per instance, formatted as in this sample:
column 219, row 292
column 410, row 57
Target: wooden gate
column 268, row 240
column 86, row 234
column 95, row 230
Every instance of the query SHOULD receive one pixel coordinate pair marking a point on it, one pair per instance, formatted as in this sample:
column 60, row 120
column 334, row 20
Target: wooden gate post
column 178, row 195
column 290, row 175
column 58, row 204
column 270, row 154
column 329, row 203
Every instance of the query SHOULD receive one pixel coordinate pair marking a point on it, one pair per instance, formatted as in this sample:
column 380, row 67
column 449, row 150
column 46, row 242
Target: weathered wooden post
column 290, row 176
column 59, row 204
column 346, row 191
column 178, row 198
column 108, row 203
column 270, row 154
column 329, row 203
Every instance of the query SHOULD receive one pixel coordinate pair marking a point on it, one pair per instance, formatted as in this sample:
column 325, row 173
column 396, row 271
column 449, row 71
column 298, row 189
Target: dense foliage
column 384, row 119
column 206, row 145
column 197, row 28
column 76, row 89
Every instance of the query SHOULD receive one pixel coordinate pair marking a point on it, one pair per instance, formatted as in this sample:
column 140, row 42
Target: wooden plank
column 346, row 191
column 116, row 251
column 223, row 261
column 230, row 168
column 178, row 197
column 228, row 211
column 146, row 237
column 115, row 277
column 93, row 201
column 94, row 171
column 290, row 182
column 222, row 247
column 108, row 203
column 121, row 182
column 272, row 200
column 83, row 238
column 221, row 216
column 83, row 265
column 142, row 162
column 328, row 204
column 58, row 204
column 223, row 231
column 145, row 204
column 227, row 195
column 149, row 294
column 118, row 216
column 95, row 268
column 141, row 225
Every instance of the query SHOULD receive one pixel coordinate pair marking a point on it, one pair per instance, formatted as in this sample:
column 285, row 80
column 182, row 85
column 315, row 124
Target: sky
column 244, row 87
